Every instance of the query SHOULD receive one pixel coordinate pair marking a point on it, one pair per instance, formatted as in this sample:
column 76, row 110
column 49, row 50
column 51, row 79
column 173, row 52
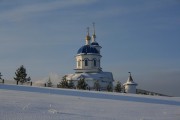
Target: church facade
column 88, row 65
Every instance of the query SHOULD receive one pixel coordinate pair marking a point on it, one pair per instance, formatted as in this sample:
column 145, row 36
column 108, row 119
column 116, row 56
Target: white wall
column 130, row 88
column 90, row 67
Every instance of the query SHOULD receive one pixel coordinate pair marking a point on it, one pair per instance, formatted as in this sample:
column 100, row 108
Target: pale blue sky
column 141, row 36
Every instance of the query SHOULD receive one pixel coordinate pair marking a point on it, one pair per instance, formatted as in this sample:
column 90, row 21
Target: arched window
column 86, row 62
column 94, row 62
column 79, row 63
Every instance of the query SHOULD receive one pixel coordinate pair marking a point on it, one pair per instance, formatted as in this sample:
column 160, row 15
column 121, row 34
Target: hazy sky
column 140, row 36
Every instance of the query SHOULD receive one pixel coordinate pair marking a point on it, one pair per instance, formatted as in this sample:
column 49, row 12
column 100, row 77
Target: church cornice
column 88, row 54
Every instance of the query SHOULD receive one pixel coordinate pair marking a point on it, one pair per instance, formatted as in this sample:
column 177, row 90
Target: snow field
column 27, row 103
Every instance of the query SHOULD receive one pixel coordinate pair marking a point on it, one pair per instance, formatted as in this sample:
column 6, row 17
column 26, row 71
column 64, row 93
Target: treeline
column 21, row 78
column 81, row 84
column 20, row 75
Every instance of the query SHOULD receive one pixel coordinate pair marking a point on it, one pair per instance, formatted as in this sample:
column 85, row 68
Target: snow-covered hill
column 38, row 103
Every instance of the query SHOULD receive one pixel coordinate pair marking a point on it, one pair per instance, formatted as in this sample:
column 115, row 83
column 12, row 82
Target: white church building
column 88, row 65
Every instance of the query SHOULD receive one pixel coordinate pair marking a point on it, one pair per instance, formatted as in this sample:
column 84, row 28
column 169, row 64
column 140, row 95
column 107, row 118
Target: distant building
column 88, row 65
column 130, row 85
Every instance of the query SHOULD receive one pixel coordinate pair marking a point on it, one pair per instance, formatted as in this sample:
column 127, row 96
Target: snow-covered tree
column 63, row 83
column 70, row 84
column 2, row 80
column 21, row 75
column 118, row 87
column 82, row 84
column 97, row 85
column 109, row 87
column 49, row 83
column 0, row 76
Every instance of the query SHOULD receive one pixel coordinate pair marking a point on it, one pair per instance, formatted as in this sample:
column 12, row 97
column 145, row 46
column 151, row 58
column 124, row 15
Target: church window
column 94, row 61
column 99, row 63
column 79, row 63
column 86, row 62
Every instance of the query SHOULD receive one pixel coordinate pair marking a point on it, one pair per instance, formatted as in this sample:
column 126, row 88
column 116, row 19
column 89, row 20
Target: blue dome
column 87, row 49
column 94, row 43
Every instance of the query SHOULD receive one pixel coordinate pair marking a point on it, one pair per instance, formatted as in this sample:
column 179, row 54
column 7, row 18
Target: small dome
column 94, row 43
column 94, row 36
column 88, row 37
column 87, row 49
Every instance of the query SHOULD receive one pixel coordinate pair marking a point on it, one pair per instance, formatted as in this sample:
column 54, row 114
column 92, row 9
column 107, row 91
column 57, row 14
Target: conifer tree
column 21, row 75
column 109, row 87
column 49, row 83
column 71, row 84
column 63, row 83
column 118, row 87
column 82, row 84
column 0, row 76
column 97, row 85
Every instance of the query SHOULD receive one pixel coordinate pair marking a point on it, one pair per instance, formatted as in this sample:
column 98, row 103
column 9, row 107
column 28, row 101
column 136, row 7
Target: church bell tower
column 88, row 57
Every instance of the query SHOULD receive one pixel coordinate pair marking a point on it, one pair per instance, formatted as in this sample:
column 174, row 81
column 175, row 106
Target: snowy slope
column 27, row 103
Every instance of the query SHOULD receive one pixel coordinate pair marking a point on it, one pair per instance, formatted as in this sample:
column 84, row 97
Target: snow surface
column 39, row 103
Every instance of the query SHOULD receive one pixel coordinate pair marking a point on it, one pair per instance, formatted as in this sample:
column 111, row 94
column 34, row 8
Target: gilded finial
column 88, row 31
column 94, row 33
column 88, row 37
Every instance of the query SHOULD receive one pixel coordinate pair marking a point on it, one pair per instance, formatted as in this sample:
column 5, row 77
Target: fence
column 13, row 82
column 145, row 92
